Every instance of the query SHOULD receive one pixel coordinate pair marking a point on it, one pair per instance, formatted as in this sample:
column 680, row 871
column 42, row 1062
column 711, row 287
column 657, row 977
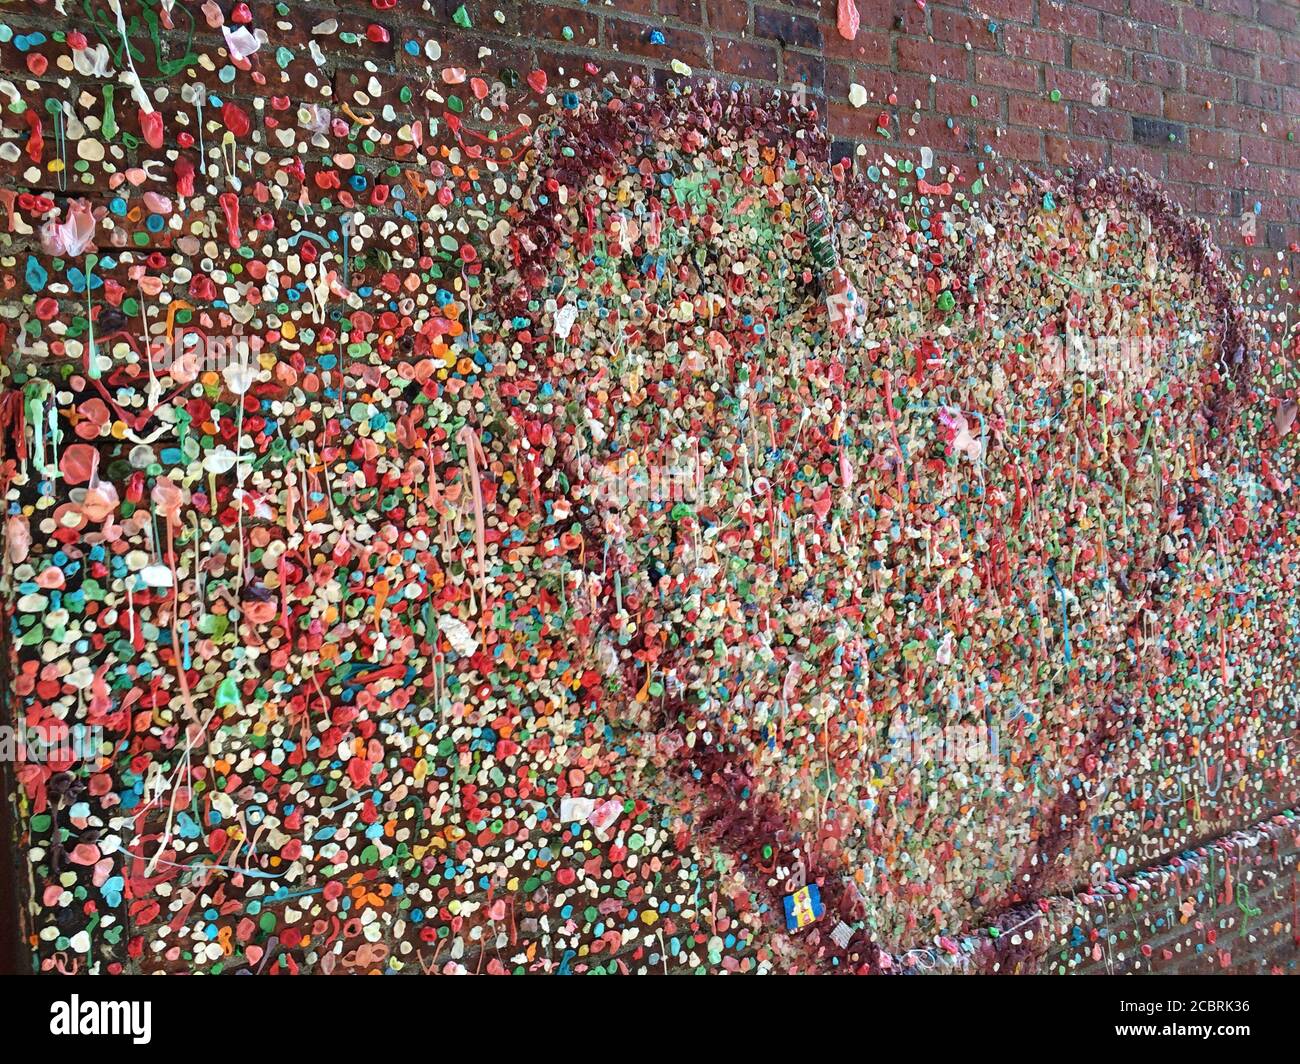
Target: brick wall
column 1229, row 909
column 1229, row 906
column 1203, row 94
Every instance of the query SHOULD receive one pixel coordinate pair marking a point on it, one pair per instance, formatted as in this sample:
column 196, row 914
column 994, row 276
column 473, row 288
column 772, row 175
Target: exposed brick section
column 634, row 38
column 793, row 30
column 756, row 61
column 957, row 27
column 1075, row 20
column 1099, row 58
column 1007, row 73
column 686, row 10
column 1134, row 98
column 1182, row 46
column 1234, row 60
column 1210, row 83
column 1222, row 75
column 728, row 15
column 1026, row 43
column 927, row 57
column 1040, row 114
column 1167, row 73
column 1108, row 124
column 1157, row 12
column 1127, row 34
column 1217, row 932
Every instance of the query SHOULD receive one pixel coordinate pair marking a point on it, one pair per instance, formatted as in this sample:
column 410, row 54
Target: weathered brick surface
column 1204, row 95
column 1224, row 77
column 1236, row 915
column 1230, row 906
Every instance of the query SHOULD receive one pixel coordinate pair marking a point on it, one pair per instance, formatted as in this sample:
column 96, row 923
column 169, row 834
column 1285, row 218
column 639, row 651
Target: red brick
column 1219, row 143
column 1136, row 99
column 1235, row 116
column 1181, row 46
column 1255, row 94
column 1094, row 122
column 1180, row 192
column 684, row 10
column 956, row 27
column 1062, row 151
column 1036, row 112
column 745, row 59
column 1069, row 18
column 1136, row 157
column 1027, row 43
column 1006, row 10
column 1184, row 107
column 868, row 46
column 731, row 16
column 798, row 31
column 1159, row 12
column 547, row 23
column 1260, row 150
column 1156, row 71
column 1277, row 72
column 933, row 130
column 1009, row 73
column 1233, row 60
column 1213, row 83
column 906, row 18
column 1072, row 84
column 954, row 101
column 1084, row 55
column 1127, row 34
column 1213, row 201
column 927, row 57
column 1281, row 16
column 1113, row 7
column 847, row 121
column 633, row 38
column 1257, row 39
column 879, row 85
column 1268, row 183
column 1238, row 8
column 1194, row 169
column 1212, row 27
column 1022, row 144
column 1025, row 145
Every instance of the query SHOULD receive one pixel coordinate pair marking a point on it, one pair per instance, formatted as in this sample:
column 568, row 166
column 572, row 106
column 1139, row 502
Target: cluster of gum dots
column 498, row 525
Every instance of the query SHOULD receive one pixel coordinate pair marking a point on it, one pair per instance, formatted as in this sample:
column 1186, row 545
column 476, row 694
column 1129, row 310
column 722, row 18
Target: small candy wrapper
column 803, row 907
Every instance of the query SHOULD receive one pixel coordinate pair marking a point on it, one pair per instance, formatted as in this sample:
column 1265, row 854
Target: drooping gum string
column 186, row 698
column 474, row 454
column 137, row 87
